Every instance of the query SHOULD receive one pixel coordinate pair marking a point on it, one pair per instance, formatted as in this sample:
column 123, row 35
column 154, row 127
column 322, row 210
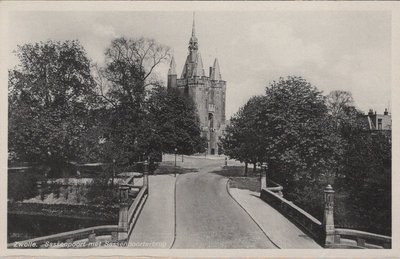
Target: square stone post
column 146, row 174
column 264, row 168
column 123, row 223
column 39, row 186
column 328, row 223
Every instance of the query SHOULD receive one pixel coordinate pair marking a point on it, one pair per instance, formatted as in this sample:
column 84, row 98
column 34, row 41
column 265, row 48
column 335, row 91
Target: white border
column 6, row 7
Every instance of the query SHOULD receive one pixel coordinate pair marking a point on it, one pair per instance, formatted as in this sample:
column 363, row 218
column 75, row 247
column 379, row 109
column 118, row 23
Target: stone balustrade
column 128, row 215
column 324, row 233
column 350, row 238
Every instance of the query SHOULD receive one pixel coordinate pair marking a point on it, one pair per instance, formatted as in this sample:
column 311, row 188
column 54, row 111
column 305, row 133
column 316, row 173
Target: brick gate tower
column 207, row 92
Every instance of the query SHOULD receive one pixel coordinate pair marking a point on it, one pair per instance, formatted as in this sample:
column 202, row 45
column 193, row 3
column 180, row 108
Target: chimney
column 211, row 69
column 386, row 112
column 370, row 112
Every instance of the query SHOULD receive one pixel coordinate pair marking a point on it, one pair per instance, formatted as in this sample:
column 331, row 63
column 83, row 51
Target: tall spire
column 194, row 26
column 172, row 67
column 193, row 44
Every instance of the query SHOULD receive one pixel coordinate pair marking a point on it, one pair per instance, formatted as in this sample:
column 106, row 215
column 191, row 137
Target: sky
column 334, row 50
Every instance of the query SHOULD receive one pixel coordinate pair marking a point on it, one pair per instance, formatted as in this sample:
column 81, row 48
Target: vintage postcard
column 199, row 129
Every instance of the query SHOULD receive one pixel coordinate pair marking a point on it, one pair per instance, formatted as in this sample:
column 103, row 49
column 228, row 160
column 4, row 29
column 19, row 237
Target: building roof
column 216, row 73
column 172, row 67
column 194, row 63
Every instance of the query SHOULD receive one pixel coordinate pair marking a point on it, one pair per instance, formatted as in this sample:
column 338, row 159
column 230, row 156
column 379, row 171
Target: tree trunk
column 254, row 168
column 245, row 169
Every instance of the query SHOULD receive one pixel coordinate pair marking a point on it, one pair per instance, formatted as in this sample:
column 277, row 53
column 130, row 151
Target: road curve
column 207, row 217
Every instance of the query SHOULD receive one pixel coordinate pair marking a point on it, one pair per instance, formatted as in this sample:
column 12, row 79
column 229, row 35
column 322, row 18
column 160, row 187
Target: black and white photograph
column 137, row 127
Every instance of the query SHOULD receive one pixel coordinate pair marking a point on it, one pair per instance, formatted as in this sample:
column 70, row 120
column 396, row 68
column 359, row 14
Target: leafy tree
column 290, row 129
column 51, row 94
column 301, row 146
column 242, row 137
column 364, row 176
column 124, row 83
column 173, row 123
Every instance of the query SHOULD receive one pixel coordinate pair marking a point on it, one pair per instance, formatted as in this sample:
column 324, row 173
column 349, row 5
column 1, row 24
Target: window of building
column 379, row 124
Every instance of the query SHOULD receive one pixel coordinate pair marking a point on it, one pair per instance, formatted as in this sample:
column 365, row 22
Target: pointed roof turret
column 193, row 43
column 193, row 26
column 172, row 67
column 198, row 68
column 195, row 68
column 216, row 73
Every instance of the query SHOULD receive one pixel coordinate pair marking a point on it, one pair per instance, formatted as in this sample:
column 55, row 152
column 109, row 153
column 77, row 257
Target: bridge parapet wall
column 301, row 218
column 324, row 233
column 95, row 236
column 350, row 238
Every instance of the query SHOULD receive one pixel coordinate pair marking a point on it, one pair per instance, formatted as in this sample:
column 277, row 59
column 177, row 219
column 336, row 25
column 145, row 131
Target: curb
column 173, row 242
column 227, row 189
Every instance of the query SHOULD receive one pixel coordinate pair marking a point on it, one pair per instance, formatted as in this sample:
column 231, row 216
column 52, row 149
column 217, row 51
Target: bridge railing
column 324, row 233
column 301, row 218
column 128, row 215
column 274, row 187
column 349, row 238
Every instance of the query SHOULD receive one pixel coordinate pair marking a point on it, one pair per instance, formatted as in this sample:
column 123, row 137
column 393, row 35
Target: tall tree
column 290, row 129
column 364, row 175
column 51, row 94
column 242, row 136
column 174, row 122
column 124, row 83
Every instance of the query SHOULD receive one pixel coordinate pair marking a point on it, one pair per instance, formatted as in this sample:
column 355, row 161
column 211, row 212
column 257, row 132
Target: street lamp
column 176, row 150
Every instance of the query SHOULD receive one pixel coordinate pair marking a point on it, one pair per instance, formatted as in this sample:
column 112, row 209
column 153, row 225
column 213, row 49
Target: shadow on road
column 169, row 168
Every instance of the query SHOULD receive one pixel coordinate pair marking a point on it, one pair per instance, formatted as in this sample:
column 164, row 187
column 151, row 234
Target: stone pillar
column 39, row 185
column 263, row 178
column 328, row 223
column 123, row 212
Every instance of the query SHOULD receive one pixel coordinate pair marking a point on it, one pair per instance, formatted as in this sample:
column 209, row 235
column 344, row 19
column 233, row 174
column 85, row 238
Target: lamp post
column 263, row 175
column 113, row 173
column 176, row 150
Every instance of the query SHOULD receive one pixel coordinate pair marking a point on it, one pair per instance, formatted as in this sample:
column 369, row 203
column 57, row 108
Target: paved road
column 155, row 227
column 207, row 217
column 202, row 214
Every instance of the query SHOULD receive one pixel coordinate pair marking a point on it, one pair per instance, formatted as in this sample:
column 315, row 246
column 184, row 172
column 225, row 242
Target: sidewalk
column 278, row 228
column 155, row 227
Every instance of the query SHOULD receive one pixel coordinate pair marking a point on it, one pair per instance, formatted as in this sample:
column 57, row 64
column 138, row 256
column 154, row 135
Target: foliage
column 123, row 83
column 338, row 102
column 242, row 137
column 51, row 94
column 308, row 141
column 174, row 123
column 290, row 129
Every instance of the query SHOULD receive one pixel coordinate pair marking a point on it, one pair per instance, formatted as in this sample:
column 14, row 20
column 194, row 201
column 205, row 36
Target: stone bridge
column 200, row 210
